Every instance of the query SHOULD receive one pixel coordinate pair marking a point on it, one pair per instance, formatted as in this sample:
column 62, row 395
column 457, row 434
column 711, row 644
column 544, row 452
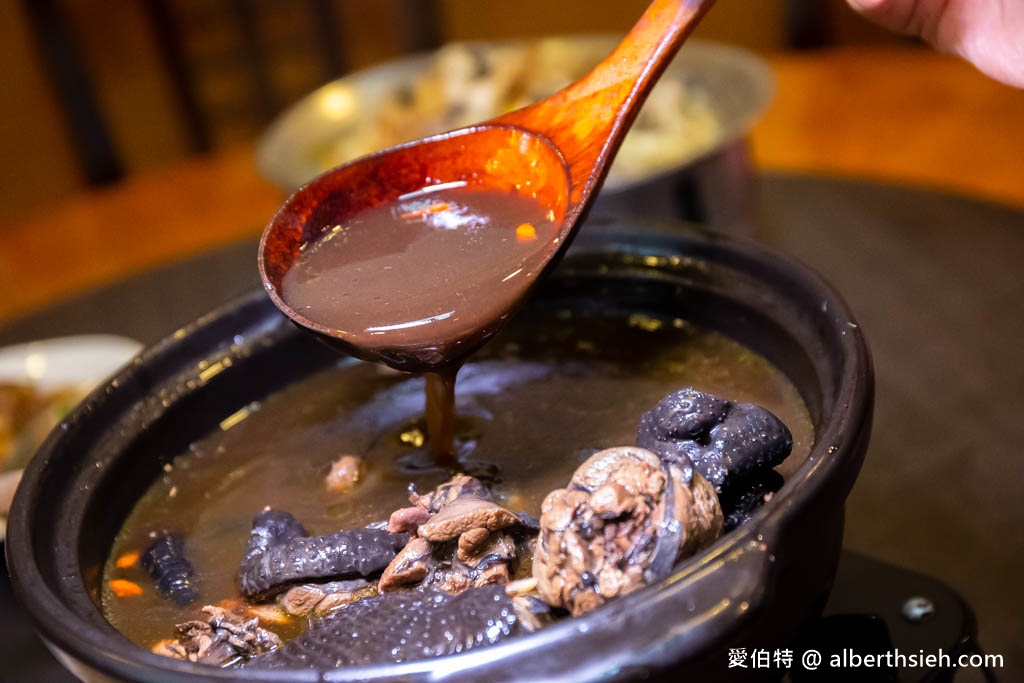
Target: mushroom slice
column 622, row 523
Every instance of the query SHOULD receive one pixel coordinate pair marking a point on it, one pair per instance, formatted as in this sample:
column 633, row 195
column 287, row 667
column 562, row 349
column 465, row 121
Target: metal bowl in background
column 704, row 178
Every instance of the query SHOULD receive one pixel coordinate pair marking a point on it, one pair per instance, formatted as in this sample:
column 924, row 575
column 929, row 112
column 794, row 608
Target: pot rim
column 745, row 551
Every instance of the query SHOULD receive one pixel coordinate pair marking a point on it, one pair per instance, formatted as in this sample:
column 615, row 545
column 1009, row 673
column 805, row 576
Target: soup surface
column 551, row 390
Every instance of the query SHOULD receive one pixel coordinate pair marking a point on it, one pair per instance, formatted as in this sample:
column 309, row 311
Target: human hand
column 987, row 33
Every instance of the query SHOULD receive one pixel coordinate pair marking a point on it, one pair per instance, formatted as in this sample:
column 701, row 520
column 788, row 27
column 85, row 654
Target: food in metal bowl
column 40, row 383
column 27, row 414
column 709, row 97
column 468, row 83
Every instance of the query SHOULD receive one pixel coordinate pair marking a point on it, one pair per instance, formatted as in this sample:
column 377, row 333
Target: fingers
column 988, row 33
column 914, row 17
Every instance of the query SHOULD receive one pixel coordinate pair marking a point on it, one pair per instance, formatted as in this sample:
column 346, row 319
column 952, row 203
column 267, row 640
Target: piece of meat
column 462, row 539
column 687, row 414
column 333, row 601
column 491, row 575
column 301, row 559
column 266, row 613
column 345, row 473
column 533, row 613
column 622, row 523
column 743, row 496
column 320, row 598
column 169, row 647
column 458, row 486
column 420, row 500
column 450, row 578
column 494, row 562
column 223, row 639
column 497, row 547
column 472, row 542
column 271, row 527
column 401, row 626
column 464, row 514
column 439, row 566
column 412, row 564
column 165, row 562
column 720, row 439
column 407, row 520
column 528, row 522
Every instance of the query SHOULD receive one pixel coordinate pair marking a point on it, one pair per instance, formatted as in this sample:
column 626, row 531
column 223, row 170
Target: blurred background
column 130, row 199
column 97, row 90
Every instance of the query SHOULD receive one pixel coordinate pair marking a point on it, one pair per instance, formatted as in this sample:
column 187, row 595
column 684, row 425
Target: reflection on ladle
column 415, row 256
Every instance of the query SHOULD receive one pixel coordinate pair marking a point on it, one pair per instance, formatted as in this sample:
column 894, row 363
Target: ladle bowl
column 494, row 157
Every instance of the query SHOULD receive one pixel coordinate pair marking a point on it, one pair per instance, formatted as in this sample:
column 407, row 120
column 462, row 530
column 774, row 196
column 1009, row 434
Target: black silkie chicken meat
column 724, row 441
column 165, row 562
column 400, row 627
column 743, row 496
column 280, row 554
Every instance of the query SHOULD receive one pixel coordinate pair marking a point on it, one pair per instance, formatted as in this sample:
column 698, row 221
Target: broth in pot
column 547, row 394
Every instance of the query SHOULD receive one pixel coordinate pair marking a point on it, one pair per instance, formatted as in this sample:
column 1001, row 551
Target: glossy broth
column 540, row 399
column 429, row 276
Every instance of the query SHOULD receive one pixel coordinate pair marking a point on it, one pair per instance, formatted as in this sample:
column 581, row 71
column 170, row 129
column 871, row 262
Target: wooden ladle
column 556, row 151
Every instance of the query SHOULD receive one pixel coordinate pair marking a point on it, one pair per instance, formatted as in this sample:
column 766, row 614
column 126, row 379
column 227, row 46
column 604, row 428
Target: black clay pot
column 752, row 589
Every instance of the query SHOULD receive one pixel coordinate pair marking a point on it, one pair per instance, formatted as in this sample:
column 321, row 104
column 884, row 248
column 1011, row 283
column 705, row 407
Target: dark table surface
column 937, row 282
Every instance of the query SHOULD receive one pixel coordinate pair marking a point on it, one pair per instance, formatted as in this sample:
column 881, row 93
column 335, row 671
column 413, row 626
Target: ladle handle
column 587, row 120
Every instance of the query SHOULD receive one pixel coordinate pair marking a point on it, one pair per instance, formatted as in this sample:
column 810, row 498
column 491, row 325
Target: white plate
column 79, row 362
column 66, row 361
